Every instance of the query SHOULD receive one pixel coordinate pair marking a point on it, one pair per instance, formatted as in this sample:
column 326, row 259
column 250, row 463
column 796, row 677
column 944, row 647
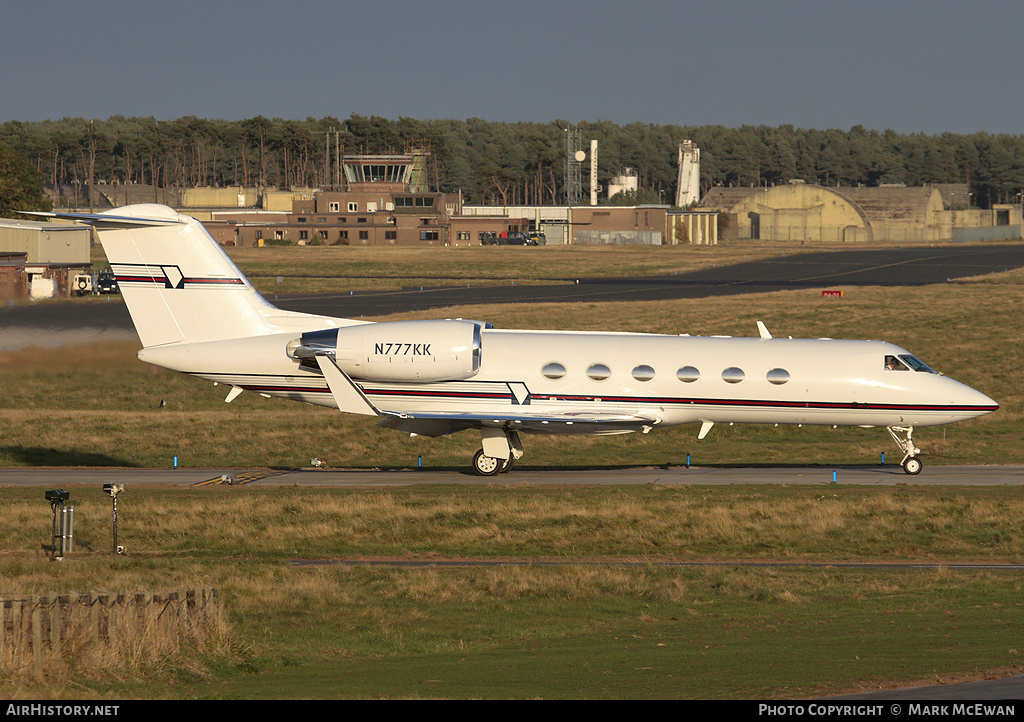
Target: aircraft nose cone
column 974, row 402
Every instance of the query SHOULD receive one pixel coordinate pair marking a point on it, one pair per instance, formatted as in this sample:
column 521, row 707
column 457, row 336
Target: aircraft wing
column 566, row 423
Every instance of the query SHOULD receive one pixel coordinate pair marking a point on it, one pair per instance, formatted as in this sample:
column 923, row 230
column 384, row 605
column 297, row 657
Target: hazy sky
column 910, row 65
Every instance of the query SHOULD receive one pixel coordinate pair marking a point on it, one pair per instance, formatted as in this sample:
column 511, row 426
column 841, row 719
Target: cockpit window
column 916, row 364
column 894, row 364
column 906, row 362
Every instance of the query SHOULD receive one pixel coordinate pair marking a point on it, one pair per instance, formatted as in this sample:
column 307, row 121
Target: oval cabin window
column 599, row 372
column 553, row 370
column 733, row 375
column 687, row 374
column 778, row 376
column 643, row 372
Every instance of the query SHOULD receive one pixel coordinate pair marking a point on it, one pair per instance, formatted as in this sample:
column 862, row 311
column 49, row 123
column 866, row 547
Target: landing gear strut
column 911, row 464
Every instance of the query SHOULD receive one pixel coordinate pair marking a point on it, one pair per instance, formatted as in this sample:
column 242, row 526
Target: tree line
column 506, row 163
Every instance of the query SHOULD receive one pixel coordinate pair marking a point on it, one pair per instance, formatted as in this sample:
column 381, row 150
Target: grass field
column 589, row 609
column 309, row 269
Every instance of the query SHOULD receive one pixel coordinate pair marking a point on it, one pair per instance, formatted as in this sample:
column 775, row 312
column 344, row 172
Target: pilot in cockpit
column 894, row 364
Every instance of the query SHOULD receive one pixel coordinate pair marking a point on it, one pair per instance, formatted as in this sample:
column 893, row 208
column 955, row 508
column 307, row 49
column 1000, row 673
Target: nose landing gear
column 911, row 464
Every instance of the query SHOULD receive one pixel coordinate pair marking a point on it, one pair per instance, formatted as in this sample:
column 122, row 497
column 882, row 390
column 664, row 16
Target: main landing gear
column 485, row 465
column 911, row 464
column 500, row 450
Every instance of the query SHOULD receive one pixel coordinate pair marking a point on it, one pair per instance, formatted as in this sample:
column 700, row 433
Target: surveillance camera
column 57, row 496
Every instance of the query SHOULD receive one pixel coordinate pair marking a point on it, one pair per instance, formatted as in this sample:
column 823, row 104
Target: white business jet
column 196, row 313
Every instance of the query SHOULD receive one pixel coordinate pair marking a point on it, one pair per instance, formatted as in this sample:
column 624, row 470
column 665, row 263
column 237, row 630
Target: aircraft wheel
column 507, row 465
column 486, row 465
column 912, row 465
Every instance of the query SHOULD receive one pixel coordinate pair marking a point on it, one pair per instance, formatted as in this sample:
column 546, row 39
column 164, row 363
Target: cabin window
column 643, row 372
column 733, row 375
column 778, row 376
column 599, row 372
column 687, row 374
column 553, row 370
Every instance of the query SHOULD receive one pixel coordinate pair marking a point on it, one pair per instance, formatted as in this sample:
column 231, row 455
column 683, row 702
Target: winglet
column 705, row 427
column 763, row 330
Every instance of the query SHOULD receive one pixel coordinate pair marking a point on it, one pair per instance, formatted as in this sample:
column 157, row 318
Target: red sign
column 832, row 294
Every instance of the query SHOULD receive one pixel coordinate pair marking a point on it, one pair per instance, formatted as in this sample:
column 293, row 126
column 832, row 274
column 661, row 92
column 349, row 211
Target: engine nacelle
column 398, row 350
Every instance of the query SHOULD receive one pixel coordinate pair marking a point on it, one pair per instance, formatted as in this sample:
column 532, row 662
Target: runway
column 823, row 476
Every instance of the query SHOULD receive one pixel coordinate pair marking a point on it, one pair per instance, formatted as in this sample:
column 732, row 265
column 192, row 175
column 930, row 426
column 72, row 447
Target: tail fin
column 177, row 281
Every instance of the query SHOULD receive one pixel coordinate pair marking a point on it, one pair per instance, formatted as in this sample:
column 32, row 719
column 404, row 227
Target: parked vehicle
column 82, row 285
column 106, row 282
column 513, row 238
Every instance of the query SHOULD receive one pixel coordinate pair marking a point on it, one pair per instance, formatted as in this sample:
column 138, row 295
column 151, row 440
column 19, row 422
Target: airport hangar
column 799, row 212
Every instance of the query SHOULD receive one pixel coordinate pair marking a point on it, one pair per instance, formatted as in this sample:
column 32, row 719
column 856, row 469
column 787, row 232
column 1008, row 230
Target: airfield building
column 39, row 258
column 801, row 212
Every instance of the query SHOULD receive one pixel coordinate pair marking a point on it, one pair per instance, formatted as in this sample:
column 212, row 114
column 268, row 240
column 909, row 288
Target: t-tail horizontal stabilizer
column 106, row 220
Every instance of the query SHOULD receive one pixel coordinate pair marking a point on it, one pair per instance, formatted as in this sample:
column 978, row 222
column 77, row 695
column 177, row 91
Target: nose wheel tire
column 912, row 465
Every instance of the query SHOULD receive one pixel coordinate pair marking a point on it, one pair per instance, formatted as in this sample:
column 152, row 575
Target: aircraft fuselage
column 670, row 379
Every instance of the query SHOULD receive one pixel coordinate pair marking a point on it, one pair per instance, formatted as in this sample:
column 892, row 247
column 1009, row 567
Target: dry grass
column 116, row 639
column 547, row 262
column 318, row 269
column 520, row 522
